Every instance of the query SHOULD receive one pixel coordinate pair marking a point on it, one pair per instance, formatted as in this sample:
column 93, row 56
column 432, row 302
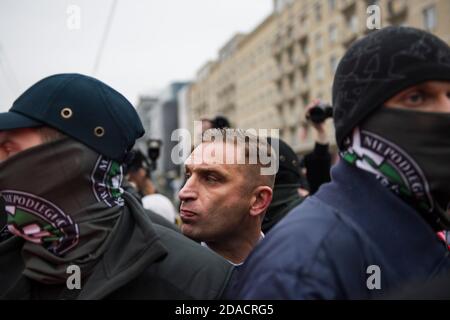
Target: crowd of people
column 373, row 225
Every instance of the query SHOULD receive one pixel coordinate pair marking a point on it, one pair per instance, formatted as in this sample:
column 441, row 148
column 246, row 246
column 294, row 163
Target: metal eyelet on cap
column 99, row 131
column 66, row 113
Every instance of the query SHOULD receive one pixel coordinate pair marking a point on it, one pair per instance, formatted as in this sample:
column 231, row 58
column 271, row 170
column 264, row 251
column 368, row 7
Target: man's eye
column 7, row 146
column 211, row 178
column 187, row 176
column 415, row 97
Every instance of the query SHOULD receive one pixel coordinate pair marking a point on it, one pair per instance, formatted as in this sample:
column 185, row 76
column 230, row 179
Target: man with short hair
column 373, row 228
column 227, row 193
column 63, row 146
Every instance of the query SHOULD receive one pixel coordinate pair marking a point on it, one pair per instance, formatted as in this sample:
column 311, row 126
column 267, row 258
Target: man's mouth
column 187, row 215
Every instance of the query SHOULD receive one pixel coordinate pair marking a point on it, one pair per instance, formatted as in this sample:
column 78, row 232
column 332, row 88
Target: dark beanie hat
column 220, row 122
column 379, row 66
column 289, row 168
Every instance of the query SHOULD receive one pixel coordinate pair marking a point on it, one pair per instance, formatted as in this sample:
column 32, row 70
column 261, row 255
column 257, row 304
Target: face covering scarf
column 64, row 199
column 409, row 152
column 285, row 197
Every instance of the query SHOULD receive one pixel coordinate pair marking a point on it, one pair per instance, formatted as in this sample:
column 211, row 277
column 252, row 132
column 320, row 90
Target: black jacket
column 143, row 261
column 318, row 165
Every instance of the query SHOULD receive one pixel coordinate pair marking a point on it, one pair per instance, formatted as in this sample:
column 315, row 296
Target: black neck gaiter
column 285, row 197
column 64, row 199
column 409, row 151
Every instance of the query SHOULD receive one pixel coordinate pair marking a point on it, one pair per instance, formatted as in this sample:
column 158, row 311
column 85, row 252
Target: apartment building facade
column 268, row 76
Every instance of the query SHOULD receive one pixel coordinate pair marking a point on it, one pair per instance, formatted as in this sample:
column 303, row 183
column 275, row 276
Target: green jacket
column 144, row 261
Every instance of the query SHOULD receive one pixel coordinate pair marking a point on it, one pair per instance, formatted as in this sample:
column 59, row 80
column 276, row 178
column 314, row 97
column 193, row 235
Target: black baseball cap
column 81, row 107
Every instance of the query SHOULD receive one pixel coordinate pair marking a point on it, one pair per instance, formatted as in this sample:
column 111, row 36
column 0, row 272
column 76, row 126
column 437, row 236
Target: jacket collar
column 391, row 224
column 134, row 248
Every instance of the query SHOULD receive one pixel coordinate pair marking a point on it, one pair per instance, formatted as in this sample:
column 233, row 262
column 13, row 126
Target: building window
column 333, row 64
column 429, row 18
column 304, row 77
column 279, row 86
column 280, row 4
column 320, row 95
column 291, row 80
column 303, row 19
column 318, row 11
column 333, row 33
column 332, row 4
column 320, row 74
column 293, row 132
column 304, row 48
column 352, row 23
column 319, row 42
column 291, row 107
column 289, row 32
column 290, row 54
column 278, row 59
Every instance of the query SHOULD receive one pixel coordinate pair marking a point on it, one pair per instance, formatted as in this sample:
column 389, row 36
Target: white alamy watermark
column 253, row 143
column 374, row 19
column 74, row 279
column 374, row 280
column 73, row 21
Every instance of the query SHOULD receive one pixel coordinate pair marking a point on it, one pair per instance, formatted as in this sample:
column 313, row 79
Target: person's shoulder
column 196, row 271
column 304, row 256
column 311, row 227
column 184, row 247
column 312, row 219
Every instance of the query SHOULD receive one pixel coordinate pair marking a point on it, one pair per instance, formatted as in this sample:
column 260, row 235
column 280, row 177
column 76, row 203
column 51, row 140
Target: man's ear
column 262, row 196
column 142, row 173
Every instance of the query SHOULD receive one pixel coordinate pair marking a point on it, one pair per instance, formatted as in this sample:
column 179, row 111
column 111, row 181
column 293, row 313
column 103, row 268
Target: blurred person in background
column 285, row 191
column 138, row 174
column 317, row 164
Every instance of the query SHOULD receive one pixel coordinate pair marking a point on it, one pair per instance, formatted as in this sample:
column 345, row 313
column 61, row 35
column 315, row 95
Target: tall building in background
column 264, row 79
column 159, row 116
column 145, row 104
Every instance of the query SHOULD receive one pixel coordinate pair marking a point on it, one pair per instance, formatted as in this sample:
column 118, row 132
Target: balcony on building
column 277, row 45
column 278, row 99
column 397, row 11
column 290, row 93
column 346, row 6
column 303, row 87
column 300, row 33
column 288, row 67
column 277, row 73
column 300, row 60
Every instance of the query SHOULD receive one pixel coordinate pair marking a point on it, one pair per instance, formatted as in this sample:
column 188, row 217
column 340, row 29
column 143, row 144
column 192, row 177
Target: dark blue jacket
column 323, row 248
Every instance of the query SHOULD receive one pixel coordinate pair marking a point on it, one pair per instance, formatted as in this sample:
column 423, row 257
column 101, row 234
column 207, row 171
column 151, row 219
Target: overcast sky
column 150, row 42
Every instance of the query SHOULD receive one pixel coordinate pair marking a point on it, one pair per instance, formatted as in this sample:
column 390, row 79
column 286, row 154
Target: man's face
column 17, row 140
column 216, row 198
column 206, row 124
column 430, row 96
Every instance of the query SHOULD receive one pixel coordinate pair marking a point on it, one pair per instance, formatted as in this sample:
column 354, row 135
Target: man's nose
column 189, row 190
